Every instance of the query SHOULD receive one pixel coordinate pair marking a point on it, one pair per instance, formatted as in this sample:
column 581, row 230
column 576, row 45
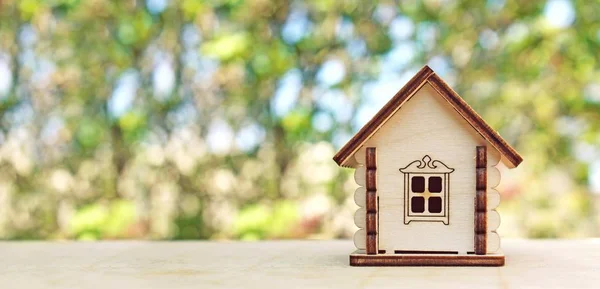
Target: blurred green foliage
column 95, row 221
column 257, row 222
column 190, row 119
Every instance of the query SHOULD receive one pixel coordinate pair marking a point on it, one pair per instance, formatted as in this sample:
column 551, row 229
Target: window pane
column 417, row 204
column 418, row 184
column 435, row 184
column 435, row 204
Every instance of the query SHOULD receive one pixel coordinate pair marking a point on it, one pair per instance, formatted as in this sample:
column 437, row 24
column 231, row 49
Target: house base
column 360, row 258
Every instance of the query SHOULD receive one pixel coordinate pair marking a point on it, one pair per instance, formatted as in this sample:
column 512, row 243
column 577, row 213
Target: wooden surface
column 281, row 264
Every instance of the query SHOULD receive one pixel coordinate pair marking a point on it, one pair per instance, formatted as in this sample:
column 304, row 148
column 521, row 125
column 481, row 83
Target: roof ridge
column 427, row 75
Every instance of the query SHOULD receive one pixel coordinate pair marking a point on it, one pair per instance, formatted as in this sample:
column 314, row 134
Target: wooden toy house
column 425, row 165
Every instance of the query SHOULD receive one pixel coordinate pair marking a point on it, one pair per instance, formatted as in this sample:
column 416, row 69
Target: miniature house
column 425, row 165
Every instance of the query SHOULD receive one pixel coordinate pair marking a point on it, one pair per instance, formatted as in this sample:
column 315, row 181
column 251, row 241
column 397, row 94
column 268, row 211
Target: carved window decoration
column 426, row 191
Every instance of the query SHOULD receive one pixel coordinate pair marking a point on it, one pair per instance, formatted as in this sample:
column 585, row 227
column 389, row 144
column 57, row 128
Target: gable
column 422, row 126
column 426, row 76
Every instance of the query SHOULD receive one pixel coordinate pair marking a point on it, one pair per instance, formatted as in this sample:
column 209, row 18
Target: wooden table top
column 281, row 264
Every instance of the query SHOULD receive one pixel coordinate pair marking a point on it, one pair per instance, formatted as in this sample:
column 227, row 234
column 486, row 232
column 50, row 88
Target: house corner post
column 481, row 200
column 371, row 200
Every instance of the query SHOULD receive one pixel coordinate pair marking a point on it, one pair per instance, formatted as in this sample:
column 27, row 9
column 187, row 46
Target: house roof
column 426, row 75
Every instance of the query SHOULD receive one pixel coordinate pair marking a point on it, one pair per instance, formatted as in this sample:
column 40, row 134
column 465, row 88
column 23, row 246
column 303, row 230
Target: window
column 421, row 194
column 418, row 184
column 435, row 184
column 435, row 204
column 426, row 191
column 417, row 204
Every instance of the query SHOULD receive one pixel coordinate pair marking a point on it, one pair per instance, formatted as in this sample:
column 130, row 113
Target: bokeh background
column 218, row 119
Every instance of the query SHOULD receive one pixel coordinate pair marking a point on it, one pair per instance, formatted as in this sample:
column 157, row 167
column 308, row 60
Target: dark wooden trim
column 371, row 183
column 481, row 158
column 480, row 244
column 361, row 259
column 371, row 205
column 480, row 178
column 423, row 76
column 372, row 222
column 372, row 244
column 475, row 120
column 371, row 160
column 480, row 224
column 481, row 200
column 371, row 200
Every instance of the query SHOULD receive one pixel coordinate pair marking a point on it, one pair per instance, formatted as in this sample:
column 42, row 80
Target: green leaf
column 121, row 216
column 227, row 47
column 88, row 221
column 90, row 133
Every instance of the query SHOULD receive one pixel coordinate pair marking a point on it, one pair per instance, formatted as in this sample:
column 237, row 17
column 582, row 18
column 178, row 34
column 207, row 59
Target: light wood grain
column 544, row 264
column 360, row 197
column 360, row 176
column 427, row 120
column 426, row 76
column 360, row 239
column 359, row 218
column 493, row 242
column 426, row 125
column 493, row 199
column 493, row 221
column 493, row 176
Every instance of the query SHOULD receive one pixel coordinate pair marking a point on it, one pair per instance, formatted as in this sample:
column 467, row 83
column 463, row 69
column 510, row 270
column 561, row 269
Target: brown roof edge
column 412, row 86
column 368, row 129
column 475, row 120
